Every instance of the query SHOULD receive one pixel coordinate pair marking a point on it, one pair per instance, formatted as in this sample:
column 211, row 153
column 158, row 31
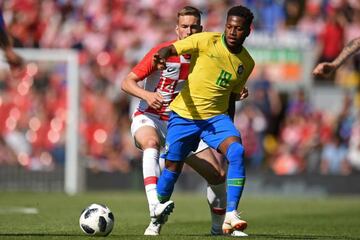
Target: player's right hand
column 154, row 100
column 244, row 93
column 324, row 69
column 159, row 62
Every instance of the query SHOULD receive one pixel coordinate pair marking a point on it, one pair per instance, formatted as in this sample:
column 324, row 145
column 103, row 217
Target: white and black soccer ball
column 96, row 219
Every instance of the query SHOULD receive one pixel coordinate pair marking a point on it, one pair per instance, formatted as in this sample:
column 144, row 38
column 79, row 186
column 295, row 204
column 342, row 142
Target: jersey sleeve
column 145, row 67
column 189, row 45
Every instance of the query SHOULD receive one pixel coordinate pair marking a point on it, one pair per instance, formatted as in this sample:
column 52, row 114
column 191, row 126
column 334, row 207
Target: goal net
column 39, row 123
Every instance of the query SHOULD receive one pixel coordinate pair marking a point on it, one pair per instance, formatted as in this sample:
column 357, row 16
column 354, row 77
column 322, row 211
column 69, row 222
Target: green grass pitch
column 268, row 217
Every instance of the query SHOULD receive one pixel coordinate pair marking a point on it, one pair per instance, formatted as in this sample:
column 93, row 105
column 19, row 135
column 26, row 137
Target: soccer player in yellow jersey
column 219, row 69
column 149, row 125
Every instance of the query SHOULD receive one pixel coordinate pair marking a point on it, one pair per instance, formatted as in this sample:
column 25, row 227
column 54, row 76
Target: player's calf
column 166, row 183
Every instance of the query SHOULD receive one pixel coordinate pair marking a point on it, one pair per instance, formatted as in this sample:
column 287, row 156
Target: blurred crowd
column 281, row 130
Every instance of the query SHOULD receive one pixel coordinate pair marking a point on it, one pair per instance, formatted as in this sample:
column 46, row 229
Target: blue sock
column 235, row 175
column 166, row 183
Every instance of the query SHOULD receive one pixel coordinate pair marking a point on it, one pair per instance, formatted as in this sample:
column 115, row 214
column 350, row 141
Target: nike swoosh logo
column 212, row 56
column 170, row 69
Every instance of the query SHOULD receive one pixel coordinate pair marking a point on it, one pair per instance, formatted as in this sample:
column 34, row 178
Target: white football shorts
column 151, row 120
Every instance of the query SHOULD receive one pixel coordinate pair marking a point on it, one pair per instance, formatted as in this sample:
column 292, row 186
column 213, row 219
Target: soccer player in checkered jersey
column 12, row 58
column 149, row 125
column 219, row 69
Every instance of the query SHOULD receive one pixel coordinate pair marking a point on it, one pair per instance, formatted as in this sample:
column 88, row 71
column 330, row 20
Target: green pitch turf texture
column 268, row 217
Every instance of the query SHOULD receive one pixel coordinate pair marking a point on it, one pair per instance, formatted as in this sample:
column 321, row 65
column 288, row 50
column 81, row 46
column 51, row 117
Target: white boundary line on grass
column 22, row 210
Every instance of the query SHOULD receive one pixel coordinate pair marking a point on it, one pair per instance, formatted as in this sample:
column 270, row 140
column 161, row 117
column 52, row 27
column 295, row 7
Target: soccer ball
column 96, row 219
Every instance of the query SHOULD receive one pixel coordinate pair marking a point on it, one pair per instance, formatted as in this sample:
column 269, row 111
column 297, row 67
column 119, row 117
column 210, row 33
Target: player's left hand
column 244, row 93
column 159, row 62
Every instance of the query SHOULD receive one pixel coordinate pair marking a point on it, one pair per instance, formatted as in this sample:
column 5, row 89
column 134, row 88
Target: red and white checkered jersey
column 167, row 82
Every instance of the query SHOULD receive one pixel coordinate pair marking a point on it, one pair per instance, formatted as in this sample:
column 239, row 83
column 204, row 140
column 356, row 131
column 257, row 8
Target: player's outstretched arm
column 325, row 69
column 11, row 57
column 5, row 44
column 159, row 59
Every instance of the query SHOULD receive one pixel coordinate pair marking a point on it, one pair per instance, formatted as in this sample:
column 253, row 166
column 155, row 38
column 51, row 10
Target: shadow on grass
column 65, row 235
column 297, row 236
column 184, row 236
column 40, row 235
column 276, row 236
column 78, row 236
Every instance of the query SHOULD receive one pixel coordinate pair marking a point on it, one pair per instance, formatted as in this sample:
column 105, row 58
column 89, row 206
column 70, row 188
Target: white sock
column 151, row 172
column 216, row 195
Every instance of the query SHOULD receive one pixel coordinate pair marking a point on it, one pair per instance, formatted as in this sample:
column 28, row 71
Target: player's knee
column 217, row 177
column 174, row 166
column 151, row 143
column 235, row 152
column 222, row 176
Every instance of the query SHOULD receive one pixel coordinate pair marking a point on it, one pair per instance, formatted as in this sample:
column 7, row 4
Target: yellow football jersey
column 215, row 72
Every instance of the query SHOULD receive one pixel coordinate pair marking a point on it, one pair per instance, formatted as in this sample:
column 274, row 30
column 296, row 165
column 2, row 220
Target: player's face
column 187, row 25
column 236, row 30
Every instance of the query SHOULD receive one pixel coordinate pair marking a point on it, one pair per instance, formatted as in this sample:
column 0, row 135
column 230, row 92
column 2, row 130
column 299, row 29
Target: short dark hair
column 189, row 10
column 241, row 11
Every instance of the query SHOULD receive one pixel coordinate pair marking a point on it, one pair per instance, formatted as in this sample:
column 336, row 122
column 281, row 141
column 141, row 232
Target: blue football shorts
column 184, row 134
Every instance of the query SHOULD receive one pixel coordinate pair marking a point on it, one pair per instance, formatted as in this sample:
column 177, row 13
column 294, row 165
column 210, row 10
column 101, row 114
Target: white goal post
column 74, row 179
